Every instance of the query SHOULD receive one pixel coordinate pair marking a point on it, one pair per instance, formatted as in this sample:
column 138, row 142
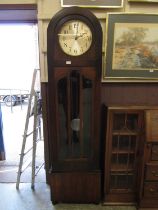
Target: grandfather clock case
column 74, row 47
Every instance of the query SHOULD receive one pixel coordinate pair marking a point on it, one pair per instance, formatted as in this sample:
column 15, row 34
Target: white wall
column 47, row 8
column 17, row 1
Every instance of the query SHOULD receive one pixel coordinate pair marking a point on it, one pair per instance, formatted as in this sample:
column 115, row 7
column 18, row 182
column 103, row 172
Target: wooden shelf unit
column 123, row 144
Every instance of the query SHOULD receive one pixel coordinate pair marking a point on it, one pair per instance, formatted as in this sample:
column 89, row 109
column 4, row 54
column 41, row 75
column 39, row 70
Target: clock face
column 75, row 37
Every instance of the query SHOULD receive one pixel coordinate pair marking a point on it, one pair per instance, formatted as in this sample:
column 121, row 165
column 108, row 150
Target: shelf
column 124, row 133
column 114, row 151
column 121, row 169
column 121, row 173
column 117, row 190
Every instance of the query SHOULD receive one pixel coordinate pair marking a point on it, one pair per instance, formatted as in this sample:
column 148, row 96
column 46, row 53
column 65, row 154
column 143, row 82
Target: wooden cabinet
column 149, row 186
column 123, row 149
column 131, row 157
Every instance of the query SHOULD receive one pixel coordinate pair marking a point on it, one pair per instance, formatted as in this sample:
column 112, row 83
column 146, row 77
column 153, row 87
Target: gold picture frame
column 131, row 51
column 144, row 1
column 93, row 3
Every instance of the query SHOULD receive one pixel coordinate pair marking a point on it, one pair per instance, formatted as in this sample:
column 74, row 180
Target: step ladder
column 34, row 110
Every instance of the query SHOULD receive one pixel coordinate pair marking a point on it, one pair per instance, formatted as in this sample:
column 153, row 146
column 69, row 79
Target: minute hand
column 81, row 35
column 66, row 35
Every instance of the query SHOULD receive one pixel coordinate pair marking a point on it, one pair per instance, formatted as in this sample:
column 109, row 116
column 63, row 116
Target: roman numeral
column 75, row 51
column 65, row 45
column 70, row 27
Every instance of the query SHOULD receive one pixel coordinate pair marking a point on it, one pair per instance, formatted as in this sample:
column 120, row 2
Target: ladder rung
column 26, row 165
column 27, row 135
column 28, row 150
column 39, row 169
column 37, row 140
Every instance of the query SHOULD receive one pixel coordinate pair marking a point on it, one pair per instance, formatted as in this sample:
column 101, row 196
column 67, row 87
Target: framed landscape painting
column 146, row 1
column 93, row 3
column 131, row 47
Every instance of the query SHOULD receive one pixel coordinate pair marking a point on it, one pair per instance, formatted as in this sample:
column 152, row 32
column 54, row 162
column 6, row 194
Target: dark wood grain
column 76, row 187
column 123, row 94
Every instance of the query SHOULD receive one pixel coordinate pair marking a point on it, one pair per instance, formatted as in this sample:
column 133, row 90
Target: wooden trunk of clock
column 74, row 106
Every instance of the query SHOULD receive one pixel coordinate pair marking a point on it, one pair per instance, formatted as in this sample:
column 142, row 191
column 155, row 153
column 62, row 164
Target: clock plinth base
column 75, row 187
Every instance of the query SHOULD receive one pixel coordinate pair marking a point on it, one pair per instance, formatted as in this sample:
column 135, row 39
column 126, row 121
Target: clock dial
column 75, row 37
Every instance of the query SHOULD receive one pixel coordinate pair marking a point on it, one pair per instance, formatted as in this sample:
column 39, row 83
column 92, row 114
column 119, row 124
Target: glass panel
column 131, row 161
column 118, row 121
column 87, row 86
column 125, row 121
column 113, row 181
column 123, row 162
column 132, row 121
column 119, row 161
column 122, row 181
column 130, row 183
column 133, row 143
column 115, row 141
column 62, row 113
column 114, row 162
column 123, row 143
column 75, row 98
column 75, row 112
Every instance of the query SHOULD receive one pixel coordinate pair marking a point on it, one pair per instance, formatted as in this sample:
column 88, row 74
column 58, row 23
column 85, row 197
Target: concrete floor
column 39, row 199
column 25, row 198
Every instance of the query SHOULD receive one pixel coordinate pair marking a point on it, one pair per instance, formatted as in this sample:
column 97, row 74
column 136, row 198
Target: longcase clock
column 74, row 47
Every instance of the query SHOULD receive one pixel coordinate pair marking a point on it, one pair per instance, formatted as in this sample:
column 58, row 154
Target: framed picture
column 131, row 47
column 93, row 3
column 146, row 1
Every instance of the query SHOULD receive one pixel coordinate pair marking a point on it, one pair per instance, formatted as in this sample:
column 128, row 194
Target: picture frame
column 131, row 49
column 93, row 3
column 143, row 1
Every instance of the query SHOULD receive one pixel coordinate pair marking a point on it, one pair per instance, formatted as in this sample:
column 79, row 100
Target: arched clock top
column 74, row 34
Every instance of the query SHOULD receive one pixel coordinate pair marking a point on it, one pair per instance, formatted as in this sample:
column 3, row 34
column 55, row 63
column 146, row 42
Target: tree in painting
column 135, row 47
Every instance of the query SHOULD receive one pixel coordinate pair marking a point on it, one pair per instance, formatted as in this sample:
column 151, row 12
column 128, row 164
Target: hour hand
column 81, row 35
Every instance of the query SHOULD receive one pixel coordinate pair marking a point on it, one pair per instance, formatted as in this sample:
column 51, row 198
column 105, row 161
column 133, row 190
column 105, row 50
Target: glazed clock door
column 75, row 91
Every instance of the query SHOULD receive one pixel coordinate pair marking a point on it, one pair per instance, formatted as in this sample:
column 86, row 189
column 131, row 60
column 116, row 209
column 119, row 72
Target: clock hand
column 66, row 34
column 81, row 35
column 76, row 37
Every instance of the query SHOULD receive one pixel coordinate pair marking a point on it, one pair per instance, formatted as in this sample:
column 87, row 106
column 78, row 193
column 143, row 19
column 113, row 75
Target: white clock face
column 75, row 37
